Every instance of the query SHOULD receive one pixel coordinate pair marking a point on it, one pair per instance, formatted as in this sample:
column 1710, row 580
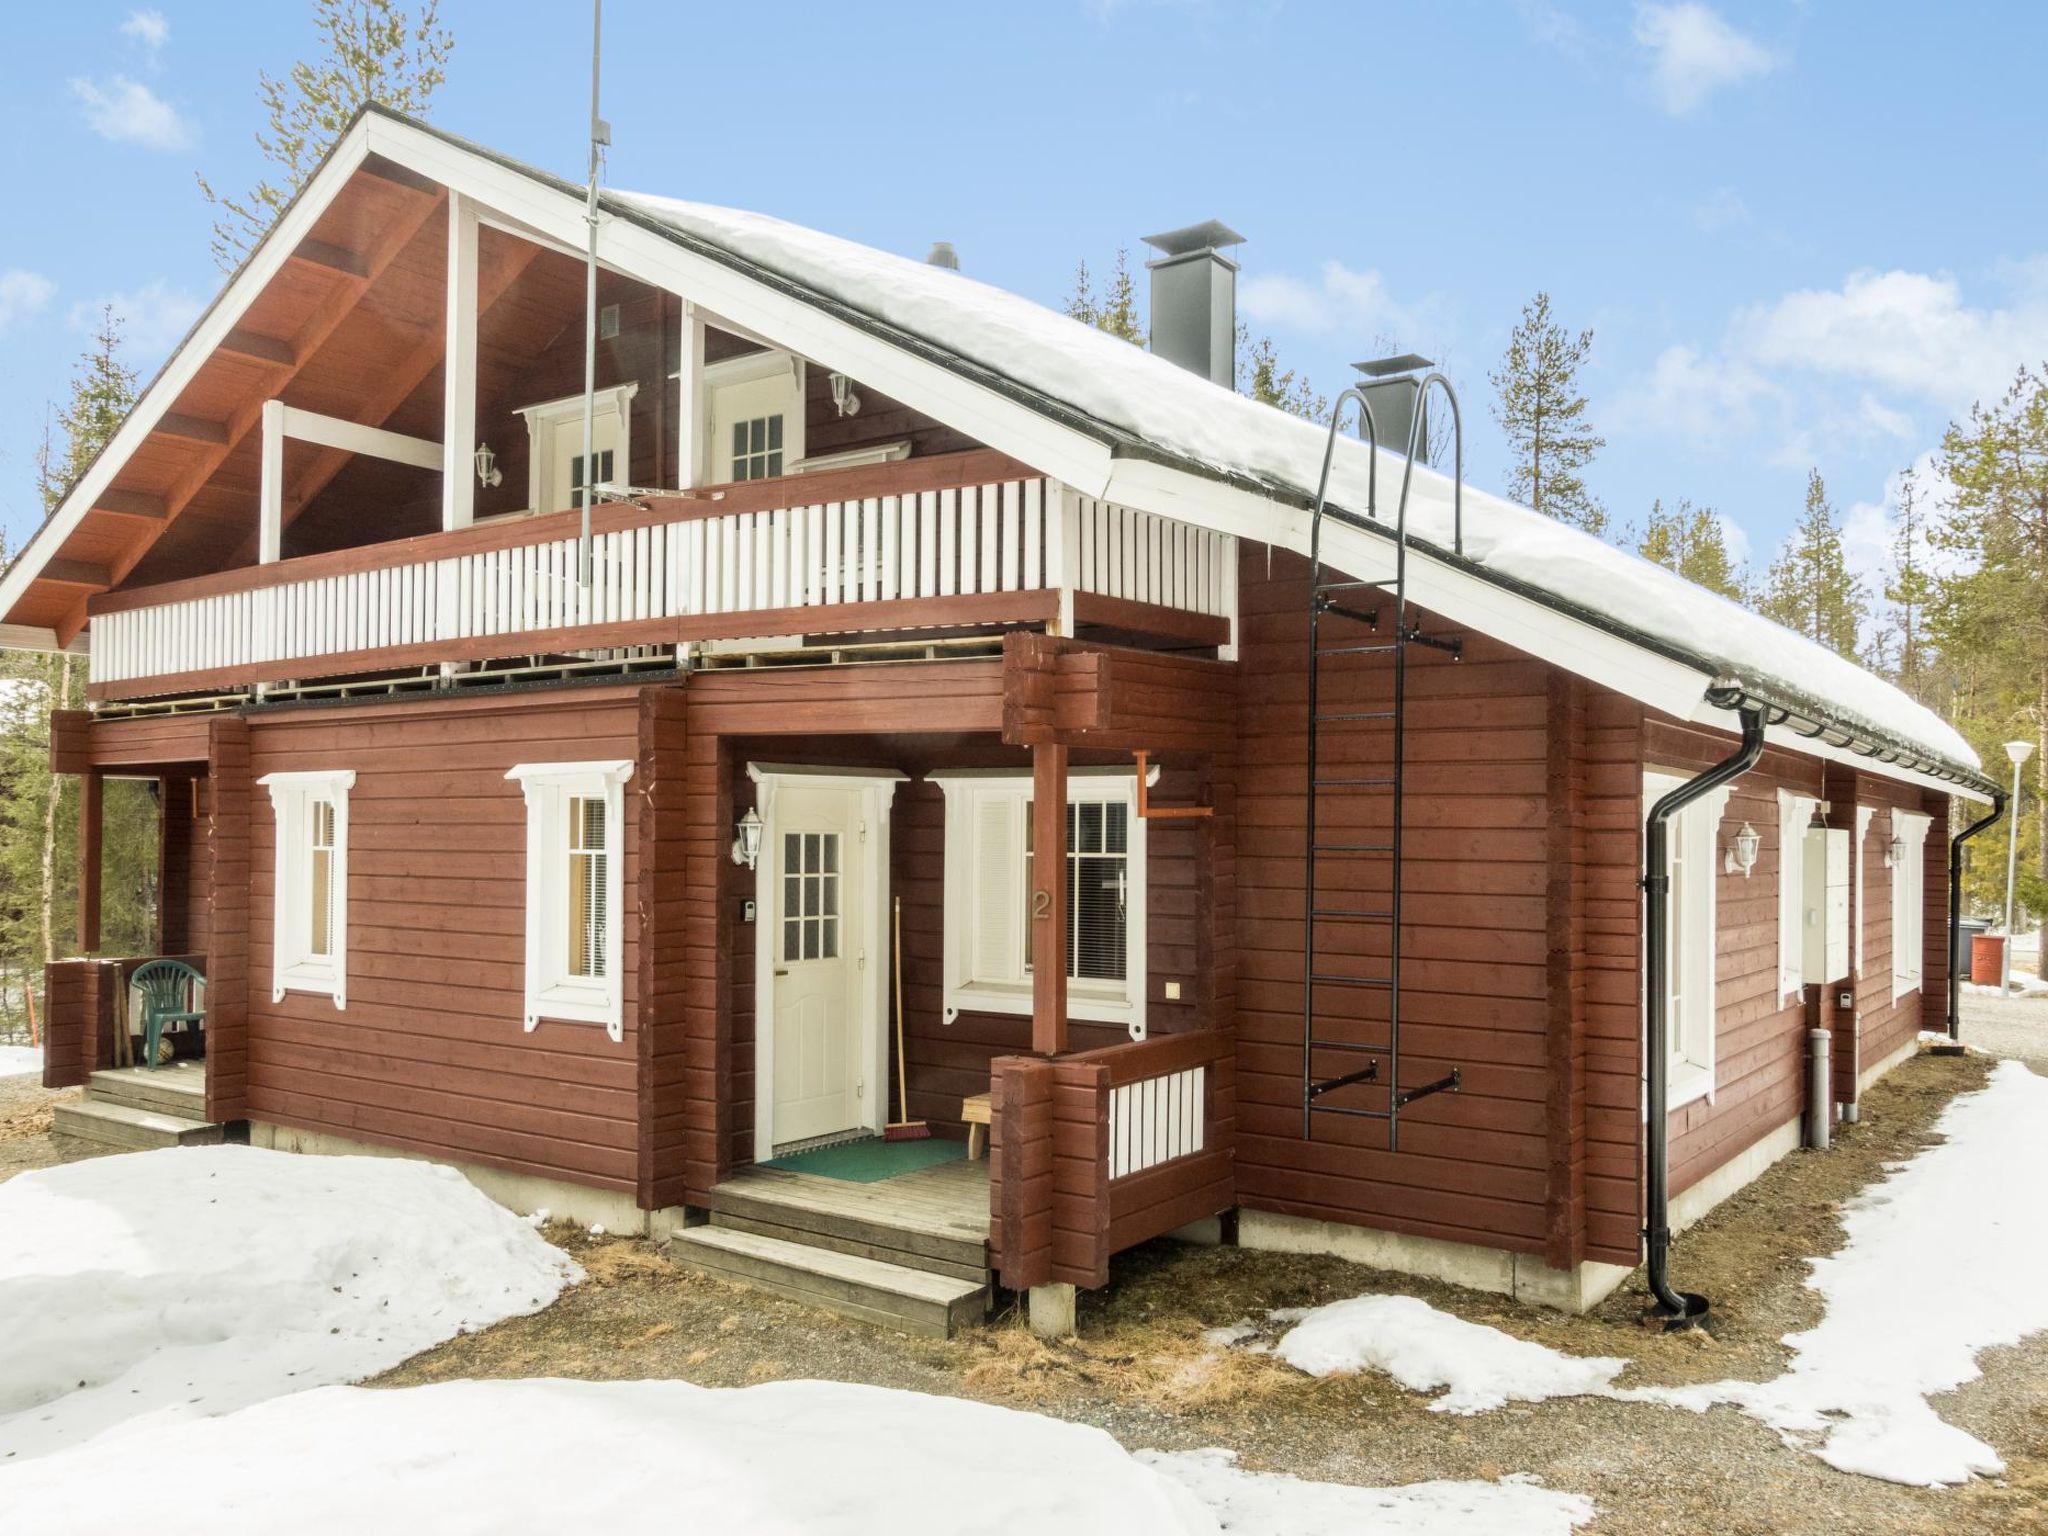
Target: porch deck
column 946, row 1203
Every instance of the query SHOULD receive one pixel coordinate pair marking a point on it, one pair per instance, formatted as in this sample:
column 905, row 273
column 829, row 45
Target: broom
column 905, row 1129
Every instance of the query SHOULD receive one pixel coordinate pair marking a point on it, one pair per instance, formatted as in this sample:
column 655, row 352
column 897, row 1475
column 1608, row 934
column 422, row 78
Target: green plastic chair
column 168, row 988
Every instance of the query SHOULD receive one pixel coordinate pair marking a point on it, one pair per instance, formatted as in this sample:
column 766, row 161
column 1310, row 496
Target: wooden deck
column 947, row 1201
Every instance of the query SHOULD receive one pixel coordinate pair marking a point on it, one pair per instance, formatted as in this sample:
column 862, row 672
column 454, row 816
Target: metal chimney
column 942, row 254
column 1194, row 299
column 1393, row 387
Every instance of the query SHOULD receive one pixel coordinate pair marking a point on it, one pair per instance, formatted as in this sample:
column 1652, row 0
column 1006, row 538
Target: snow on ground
column 627, row 1457
column 20, row 1060
column 1941, row 1262
column 1424, row 1349
column 197, row 1280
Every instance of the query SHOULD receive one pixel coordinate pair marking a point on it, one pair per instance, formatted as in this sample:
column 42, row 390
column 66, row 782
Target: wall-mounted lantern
column 1742, row 852
column 746, row 845
column 844, row 400
column 488, row 475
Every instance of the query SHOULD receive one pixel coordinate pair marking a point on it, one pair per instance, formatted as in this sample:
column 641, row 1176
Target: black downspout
column 1678, row 1309
column 1955, row 914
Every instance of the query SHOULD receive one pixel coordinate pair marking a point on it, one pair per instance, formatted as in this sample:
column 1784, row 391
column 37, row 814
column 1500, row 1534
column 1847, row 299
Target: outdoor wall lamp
column 1894, row 851
column 844, row 400
column 1742, row 852
column 746, row 846
column 488, row 474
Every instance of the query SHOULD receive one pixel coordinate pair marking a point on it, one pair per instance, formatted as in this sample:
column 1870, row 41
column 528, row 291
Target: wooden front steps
column 137, row 1109
column 909, row 1253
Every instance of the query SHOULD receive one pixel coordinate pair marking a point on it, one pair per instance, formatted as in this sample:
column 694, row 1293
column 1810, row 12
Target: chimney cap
column 1208, row 235
column 942, row 254
column 1387, row 367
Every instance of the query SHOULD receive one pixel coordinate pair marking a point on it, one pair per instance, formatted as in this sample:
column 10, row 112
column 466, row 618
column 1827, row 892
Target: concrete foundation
column 1522, row 1275
column 1053, row 1311
column 1696, row 1199
column 521, row 1192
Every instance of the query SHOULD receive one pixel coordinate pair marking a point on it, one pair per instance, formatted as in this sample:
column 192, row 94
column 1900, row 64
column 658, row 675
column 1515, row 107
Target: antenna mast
column 600, row 137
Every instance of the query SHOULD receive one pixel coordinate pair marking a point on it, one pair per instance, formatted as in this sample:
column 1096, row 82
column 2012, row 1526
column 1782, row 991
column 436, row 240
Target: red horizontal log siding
column 1883, row 1025
column 1473, row 1167
column 429, row 1055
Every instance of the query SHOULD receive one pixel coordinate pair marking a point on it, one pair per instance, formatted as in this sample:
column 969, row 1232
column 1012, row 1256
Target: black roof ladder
column 1346, row 633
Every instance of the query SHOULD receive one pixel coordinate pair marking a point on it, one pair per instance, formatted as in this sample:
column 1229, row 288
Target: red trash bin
column 1987, row 959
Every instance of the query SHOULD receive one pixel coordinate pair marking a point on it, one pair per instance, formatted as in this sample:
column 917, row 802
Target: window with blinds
column 309, row 928
column 991, row 871
column 574, row 821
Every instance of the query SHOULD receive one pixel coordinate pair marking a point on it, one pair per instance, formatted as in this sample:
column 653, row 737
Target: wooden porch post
column 458, row 370
column 90, row 821
column 1049, row 898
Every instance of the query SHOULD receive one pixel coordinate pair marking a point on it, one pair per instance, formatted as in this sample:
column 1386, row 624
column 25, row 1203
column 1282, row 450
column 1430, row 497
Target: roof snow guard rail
column 1803, row 718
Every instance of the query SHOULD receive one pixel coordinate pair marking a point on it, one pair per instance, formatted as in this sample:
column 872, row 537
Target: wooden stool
column 975, row 1112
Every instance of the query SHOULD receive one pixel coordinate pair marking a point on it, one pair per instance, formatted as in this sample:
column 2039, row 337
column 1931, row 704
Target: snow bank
column 1943, row 1261
column 1273, row 1502
column 1129, row 389
column 821, row 1458
column 197, row 1280
column 1425, row 1349
column 20, row 1060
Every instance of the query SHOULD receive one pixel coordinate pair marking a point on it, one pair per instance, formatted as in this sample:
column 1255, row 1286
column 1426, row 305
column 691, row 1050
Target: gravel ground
column 25, row 1138
column 1142, row 1371
column 2008, row 1026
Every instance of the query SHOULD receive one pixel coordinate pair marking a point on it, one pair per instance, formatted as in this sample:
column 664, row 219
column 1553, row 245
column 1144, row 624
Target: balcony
column 955, row 541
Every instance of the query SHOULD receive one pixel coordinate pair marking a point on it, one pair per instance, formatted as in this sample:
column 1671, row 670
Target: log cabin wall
column 429, row 1054
column 1476, row 1166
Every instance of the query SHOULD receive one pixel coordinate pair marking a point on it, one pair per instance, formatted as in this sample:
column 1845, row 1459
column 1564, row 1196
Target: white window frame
column 614, row 403
column 1694, row 838
column 1864, row 815
column 1909, row 901
column 293, row 966
column 752, row 368
column 551, row 992
column 970, row 987
column 1795, row 813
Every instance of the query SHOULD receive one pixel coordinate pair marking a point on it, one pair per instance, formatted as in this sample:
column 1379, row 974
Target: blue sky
column 1804, row 234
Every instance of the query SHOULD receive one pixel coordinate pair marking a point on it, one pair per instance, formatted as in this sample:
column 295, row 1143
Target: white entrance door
column 819, row 929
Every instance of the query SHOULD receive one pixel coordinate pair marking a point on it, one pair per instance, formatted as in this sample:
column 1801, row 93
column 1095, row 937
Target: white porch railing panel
column 1155, row 1120
column 999, row 536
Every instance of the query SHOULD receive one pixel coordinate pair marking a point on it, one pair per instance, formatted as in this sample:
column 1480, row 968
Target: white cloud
column 1694, row 53
column 129, row 112
column 1736, row 537
column 1554, row 27
column 22, row 293
column 1868, row 527
column 1340, row 301
column 148, row 27
column 1707, row 400
column 1722, row 208
column 154, row 318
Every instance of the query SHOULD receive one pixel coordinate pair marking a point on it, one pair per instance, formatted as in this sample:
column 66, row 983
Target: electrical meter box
column 1825, row 905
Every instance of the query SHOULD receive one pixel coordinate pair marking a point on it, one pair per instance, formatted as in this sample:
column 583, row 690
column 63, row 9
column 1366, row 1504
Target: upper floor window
column 574, row 854
column 309, row 917
column 756, row 411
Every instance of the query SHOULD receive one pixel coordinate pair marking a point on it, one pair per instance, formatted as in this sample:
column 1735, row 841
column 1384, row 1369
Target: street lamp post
column 2019, row 752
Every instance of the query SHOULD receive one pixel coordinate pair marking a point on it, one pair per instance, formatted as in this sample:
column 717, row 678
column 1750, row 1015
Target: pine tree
column 102, row 391
column 1116, row 311
column 1691, row 541
column 1909, row 589
column 1540, row 407
column 1809, row 587
column 1260, row 376
column 371, row 50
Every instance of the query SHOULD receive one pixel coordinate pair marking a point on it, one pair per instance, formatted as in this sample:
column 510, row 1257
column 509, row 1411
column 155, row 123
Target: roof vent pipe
column 942, row 254
column 1393, row 389
column 1194, row 299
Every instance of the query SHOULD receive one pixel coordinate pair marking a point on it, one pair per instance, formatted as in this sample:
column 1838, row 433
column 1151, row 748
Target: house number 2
column 1041, row 903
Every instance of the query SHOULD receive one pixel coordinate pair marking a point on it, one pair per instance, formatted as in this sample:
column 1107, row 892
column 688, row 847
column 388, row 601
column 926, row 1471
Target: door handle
column 782, row 970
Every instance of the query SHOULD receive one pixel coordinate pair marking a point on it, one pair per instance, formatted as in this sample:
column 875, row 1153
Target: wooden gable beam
column 399, row 384
column 76, row 573
column 318, row 327
column 195, row 429
column 335, row 258
column 244, row 342
column 139, row 505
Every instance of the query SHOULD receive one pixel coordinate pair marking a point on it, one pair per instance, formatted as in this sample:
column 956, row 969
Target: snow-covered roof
column 1155, row 404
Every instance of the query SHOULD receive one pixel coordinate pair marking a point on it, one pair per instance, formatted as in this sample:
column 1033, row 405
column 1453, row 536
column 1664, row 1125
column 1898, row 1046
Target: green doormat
column 871, row 1159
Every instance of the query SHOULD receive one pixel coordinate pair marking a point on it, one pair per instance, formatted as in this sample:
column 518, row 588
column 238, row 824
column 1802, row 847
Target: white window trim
column 550, row 992
column 1092, row 1002
column 614, row 400
column 749, row 368
column 292, row 968
column 1795, row 812
column 1691, row 1076
column 1909, row 896
column 1864, row 816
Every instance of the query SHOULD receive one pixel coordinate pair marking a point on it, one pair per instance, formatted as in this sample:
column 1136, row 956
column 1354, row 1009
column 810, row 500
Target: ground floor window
column 309, row 912
column 990, row 861
column 1909, row 900
column 574, row 816
column 1689, row 938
